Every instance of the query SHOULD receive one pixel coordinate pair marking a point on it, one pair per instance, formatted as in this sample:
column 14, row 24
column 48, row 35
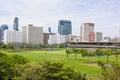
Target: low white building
column 57, row 39
column 74, row 38
column 12, row 36
column 106, row 39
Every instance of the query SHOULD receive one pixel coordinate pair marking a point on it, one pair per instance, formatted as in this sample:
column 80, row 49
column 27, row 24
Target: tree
column 10, row 46
column 3, row 46
column 75, row 51
column 111, row 71
column 98, row 52
column 68, row 51
column 56, row 71
column 116, row 52
column 83, row 52
column 107, row 52
column 8, row 64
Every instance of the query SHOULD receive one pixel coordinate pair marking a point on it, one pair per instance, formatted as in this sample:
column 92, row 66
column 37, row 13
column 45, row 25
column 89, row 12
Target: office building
column 54, row 39
column 98, row 36
column 58, row 39
column 91, row 37
column 32, row 34
column 49, row 29
column 106, row 39
column 3, row 28
column 64, row 27
column 15, row 25
column 12, row 37
column 0, row 35
column 73, row 38
column 86, row 28
column 46, row 37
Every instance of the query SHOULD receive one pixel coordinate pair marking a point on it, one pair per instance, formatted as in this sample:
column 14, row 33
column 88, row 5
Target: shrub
column 18, row 59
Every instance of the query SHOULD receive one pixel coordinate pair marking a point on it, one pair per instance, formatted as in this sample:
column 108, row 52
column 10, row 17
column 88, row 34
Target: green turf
column 80, row 64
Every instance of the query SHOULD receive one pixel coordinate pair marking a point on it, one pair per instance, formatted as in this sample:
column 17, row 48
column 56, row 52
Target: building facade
column 0, row 36
column 58, row 39
column 49, row 30
column 73, row 38
column 91, row 37
column 46, row 37
column 86, row 28
column 32, row 34
column 15, row 25
column 54, row 39
column 106, row 39
column 64, row 27
column 98, row 36
column 12, row 37
column 3, row 28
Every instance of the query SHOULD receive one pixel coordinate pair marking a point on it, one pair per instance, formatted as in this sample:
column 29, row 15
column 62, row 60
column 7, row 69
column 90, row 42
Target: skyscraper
column 91, row 37
column 98, row 36
column 64, row 27
column 32, row 34
column 0, row 35
column 86, row 29
column 3, row 28
column 15, row 25
column 49, row 29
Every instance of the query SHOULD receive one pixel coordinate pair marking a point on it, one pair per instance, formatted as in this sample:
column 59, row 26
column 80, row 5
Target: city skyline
column 104, row 14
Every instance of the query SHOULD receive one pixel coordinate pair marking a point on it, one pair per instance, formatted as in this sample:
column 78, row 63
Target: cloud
column 104, row 13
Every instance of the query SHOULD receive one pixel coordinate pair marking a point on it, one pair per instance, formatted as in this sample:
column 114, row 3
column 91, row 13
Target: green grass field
column 82, row 64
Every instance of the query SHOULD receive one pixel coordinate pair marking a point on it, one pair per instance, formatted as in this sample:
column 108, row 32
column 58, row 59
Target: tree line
column 98, row 52
column 25, row 46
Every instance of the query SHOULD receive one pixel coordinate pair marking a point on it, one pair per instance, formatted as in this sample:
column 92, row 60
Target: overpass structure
column 94, row 44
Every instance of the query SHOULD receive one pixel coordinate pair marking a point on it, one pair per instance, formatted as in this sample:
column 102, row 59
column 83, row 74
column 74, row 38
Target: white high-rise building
column 98, row 36
column 86, row 28
column 12, row 36
column 32, row 34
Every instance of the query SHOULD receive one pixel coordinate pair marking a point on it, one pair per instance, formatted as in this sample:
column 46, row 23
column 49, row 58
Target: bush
column 8, row 64
column 56, row 71
column 2, row 54
column 16, row 67
column 111, row 71
column 47, row 71
column 18, row 59
column 6, row 68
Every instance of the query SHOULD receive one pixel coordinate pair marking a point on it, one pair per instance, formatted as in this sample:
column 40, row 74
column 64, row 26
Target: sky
column 105, row 14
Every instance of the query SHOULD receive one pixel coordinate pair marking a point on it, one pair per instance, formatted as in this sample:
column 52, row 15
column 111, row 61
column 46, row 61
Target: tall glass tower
column 15, row 25
column 3, row 28
column 49, row 29
column 64, row 27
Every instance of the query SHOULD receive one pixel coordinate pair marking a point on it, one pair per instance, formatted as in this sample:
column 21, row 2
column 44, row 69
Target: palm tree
column 68, row 51
column 75, row 51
